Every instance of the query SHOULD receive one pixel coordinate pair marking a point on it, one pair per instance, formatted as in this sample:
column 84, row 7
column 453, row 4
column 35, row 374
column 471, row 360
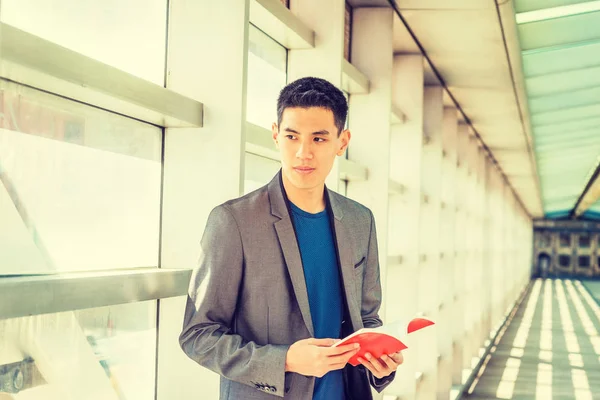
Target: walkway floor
column 551, row 348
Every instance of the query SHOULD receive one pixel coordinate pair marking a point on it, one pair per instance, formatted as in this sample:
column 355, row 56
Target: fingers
column 397, row 357
column 378, row 367
column 375, row 363
column 390, row 363
column 335, row 351
column 343, row 358
column 322, row 342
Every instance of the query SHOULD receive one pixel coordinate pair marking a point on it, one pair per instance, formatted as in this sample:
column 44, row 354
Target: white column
column 326, row 19
column 370, row 120
column 403, row 244
column 496, row 230
column 207, row 60
column 473, row 262
column 429, row 215
column 462, row 277
column 447, row 249
column 458, row 319
column 487, row 276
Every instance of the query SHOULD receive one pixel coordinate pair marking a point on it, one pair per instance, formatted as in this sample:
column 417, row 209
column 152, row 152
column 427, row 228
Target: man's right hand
column 316, row 357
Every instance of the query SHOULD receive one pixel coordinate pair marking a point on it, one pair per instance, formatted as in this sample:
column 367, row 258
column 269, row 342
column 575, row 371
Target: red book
column 386, row 339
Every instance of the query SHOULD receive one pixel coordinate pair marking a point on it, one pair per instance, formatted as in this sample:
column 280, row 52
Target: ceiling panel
column 581, row 55
column 441, row 4
column 563, row 82
column 467, row 45
column 584, row 141
column 532, row 5
column 559, row 31
column 555, row 102
column 566, row 114
column 570, row 128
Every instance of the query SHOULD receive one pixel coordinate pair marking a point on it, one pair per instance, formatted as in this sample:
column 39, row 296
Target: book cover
column 386, row 339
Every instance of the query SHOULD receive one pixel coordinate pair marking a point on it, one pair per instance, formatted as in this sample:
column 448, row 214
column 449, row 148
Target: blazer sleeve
column 371, row 299
column 207, row 335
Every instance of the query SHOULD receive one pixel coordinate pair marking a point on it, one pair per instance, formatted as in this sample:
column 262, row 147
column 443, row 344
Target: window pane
column 565, row 239
column 115, row 32
column 583, row 261
column 104, row 353
column 79, row 187
column 564, row 261
column 267, row 62
column 584, row 240
column 259, row 171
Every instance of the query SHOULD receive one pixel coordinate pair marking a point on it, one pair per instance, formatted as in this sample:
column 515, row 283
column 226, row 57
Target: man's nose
column 304, row 151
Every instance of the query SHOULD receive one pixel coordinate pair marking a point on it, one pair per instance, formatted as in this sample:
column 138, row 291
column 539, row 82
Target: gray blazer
column 248, row 300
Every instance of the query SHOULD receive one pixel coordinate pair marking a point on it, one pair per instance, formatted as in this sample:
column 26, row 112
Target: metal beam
column 35, row 62
column 28, row 295
column 590, row 194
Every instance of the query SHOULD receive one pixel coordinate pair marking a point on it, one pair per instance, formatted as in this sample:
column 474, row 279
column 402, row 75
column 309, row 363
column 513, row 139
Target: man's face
column 308, row 142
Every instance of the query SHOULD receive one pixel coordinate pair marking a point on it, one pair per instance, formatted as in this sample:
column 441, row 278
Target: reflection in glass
column 79, row 187
column 106, row 353
column 267, row 62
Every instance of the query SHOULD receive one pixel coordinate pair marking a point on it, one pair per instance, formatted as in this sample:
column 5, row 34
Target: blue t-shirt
column 321, row 272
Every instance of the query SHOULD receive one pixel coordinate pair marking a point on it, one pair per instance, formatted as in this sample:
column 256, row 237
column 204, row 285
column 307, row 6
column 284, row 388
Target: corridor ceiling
column 528, row 84
column 473, row 51
column 560, row 43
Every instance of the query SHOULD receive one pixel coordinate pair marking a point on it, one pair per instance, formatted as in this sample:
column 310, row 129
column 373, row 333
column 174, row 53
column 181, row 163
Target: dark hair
column 313, row 92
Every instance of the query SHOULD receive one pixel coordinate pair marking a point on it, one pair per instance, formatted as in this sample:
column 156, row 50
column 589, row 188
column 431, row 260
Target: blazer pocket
column 361, row 262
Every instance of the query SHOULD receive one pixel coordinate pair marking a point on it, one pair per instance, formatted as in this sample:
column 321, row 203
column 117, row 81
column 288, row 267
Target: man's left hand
column 384, row 366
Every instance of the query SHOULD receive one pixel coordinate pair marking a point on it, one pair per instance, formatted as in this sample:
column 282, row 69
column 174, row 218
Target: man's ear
column 344, row 141
column 275, row 133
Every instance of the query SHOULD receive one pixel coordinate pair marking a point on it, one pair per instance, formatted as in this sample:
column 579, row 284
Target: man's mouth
column 304, row 170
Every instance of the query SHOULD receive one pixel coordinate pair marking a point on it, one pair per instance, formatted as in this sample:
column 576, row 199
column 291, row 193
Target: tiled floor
column 551, row 348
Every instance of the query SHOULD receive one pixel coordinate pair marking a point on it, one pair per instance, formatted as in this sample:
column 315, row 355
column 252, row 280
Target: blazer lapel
column 289, row 247
column 344, row 246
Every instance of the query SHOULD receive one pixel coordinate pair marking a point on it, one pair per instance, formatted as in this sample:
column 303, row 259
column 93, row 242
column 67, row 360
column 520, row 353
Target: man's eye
column 318, row 139
column 290, row 137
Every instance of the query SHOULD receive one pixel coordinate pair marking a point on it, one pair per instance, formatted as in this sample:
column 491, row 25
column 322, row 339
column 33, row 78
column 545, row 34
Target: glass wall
column 267, row 61
column 267, row 65
column 101, row 353
column 111, row 31
column 80, row 186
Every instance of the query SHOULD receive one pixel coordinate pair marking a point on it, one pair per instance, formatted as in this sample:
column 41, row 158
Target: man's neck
column 309, row 200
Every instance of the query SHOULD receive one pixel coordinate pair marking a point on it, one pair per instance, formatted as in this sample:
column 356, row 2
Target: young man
column 288, row 269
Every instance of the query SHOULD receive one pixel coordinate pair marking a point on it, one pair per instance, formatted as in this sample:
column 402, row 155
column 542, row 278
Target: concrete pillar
column 462, row 276
column 370, row 121
column 487, row 276
column 447, row 249
column 473, row 239
column 207, row 57
column 429, row 216
column 458, row 312
column 326, row 19
column 403, row 244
